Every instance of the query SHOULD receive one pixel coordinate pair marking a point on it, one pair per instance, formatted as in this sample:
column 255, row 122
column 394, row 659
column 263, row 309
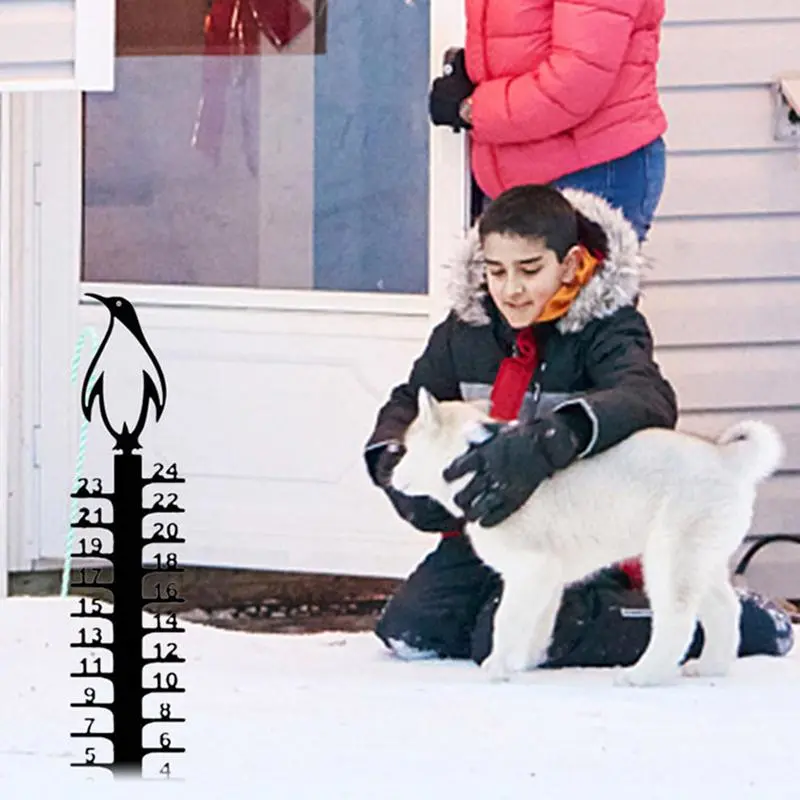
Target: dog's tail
column 754, row 449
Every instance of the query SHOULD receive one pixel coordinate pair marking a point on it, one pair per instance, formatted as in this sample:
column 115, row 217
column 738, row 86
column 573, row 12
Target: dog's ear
column 428, row 408
column 480, row 432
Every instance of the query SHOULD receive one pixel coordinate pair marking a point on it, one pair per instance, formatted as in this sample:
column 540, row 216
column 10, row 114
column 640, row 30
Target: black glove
column 448, row 92
column 381, row 462
column 510, row 465
column 424, row 513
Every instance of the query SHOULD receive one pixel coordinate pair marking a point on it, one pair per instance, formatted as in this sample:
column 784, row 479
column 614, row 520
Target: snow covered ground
column 333, row 716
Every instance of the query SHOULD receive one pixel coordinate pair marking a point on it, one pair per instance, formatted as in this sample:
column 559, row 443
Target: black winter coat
column 599, row 355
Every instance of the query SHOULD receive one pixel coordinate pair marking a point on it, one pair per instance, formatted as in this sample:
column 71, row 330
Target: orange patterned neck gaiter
column 560, row 302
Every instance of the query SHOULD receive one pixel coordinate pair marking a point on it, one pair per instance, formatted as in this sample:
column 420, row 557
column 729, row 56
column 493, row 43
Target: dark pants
column 446, row 607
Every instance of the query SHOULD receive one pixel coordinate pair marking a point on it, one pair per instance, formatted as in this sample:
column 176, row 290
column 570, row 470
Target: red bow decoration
column 234, row 28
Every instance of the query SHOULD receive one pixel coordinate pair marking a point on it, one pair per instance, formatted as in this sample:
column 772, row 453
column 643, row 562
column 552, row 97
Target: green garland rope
column 81, row 457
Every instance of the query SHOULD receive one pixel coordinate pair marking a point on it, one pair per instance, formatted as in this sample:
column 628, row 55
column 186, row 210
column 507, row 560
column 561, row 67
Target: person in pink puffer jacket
column 561, row 92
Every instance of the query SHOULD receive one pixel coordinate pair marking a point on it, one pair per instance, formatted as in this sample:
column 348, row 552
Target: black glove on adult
column 448, row 92
column 509, row 466
column 424, row 513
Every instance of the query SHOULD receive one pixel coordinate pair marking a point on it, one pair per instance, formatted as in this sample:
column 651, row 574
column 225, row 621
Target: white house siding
column 724, row 293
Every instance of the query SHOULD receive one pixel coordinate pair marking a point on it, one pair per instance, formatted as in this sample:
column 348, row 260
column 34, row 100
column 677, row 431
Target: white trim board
column 704, row 11
column 689, row 250
column 57, row 45
column 257, row 300
column 786, row 420
column 20, row 358
column 751, row 312
column 720, row 118
column 733, row 378
column 725, row 183
column 699, row 55
column 5, row 332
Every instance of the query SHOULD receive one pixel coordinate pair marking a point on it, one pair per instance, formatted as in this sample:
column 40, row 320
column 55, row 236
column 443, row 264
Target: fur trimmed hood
column 616, row 283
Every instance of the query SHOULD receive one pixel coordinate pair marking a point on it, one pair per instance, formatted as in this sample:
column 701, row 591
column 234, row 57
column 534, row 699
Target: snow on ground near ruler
column 333, row 716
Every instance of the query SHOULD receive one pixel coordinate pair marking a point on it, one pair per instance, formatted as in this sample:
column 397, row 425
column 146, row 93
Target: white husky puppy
column 680, row 502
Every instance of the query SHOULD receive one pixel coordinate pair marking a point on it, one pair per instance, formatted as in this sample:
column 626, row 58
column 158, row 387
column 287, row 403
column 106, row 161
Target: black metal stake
column 127, row 615
column 126, row 646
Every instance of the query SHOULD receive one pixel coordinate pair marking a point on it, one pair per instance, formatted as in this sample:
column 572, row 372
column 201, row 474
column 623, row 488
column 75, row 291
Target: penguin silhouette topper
column 124, row 377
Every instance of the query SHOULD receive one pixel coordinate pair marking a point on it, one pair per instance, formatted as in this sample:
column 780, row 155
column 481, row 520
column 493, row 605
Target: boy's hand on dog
column 424, row 513
column 388, row 458
column 510, row 465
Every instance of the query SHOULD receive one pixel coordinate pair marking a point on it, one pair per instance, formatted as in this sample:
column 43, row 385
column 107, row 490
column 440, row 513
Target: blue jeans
column 633, row 183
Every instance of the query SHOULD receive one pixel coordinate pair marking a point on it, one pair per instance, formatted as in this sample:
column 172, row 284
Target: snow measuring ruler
column 128, row 669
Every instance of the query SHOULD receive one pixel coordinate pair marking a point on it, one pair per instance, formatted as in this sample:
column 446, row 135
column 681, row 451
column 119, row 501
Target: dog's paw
column 633, row 676
column 708, row 669
column 496, row 668
column 522, row 661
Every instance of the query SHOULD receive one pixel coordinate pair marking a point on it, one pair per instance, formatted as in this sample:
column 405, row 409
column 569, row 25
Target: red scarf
column 512, row 381
column 514, row 377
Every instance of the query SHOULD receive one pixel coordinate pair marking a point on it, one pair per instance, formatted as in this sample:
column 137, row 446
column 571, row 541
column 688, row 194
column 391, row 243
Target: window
column 300, row 162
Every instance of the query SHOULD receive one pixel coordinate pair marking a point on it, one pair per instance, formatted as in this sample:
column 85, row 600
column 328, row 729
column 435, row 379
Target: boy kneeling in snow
column 544, row 325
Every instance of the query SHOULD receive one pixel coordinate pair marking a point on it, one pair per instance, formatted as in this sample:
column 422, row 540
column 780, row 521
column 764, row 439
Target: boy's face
column 522, row 275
